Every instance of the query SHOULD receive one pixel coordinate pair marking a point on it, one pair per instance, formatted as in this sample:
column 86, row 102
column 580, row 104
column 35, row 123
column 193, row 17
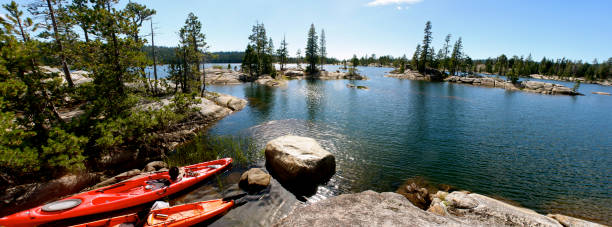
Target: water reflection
column 314, row 98
column 261, row 99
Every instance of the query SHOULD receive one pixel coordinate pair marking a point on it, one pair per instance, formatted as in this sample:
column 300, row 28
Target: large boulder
column 21, row 197
column 294, row 73
column 475, row 208
column 222, row 76
column 299, row 161
column 367, row 208
column 416, row 195
column 254, row 180
column 155, row 166
column 116, row 179
column 228, row 101
column 269, row 81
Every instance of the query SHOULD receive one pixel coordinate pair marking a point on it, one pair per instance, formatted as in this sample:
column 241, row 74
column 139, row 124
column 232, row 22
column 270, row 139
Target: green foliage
column 576, row 86
column 312, row 50
column 415, row 57
column 259, row 54
column 283, row 54
column 456, row 57
column 16, row 154
column 63, row 150
column 323, row 49
column 425, row 58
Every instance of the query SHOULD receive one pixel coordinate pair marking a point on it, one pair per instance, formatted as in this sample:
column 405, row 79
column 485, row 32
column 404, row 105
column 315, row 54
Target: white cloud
column 389, row 2
column 399, row 8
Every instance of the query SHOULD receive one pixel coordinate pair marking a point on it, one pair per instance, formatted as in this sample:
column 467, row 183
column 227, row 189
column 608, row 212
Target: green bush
column 64, row 150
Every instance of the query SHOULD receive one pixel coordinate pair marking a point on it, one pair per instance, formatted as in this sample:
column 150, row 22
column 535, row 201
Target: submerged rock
column 367, row 208
column 299, row 162
column 254, row 180
column 600, row 93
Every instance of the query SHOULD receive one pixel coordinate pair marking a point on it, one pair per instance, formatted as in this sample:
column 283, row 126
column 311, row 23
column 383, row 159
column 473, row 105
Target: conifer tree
column 415, row 57
column 312, row 50
column 456, row 57
column 423, row 61
column 283, row 54
column 298, row 55
column 323, row 49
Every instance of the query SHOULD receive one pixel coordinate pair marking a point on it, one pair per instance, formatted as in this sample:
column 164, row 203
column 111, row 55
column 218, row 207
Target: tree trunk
column 154, row 58
column 61, row 47
column 185, row 71
column 118, row 73
column 203, row 79
column 85, row 33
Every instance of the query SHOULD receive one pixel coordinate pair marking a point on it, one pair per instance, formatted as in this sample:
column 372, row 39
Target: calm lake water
column 552, row 154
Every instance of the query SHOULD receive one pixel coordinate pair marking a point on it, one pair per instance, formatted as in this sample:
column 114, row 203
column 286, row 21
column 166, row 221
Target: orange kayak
column 188, row 214
column 182, row 215
column 118, row 196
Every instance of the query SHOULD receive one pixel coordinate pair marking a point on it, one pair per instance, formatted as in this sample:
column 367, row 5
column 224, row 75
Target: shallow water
column 547, row 153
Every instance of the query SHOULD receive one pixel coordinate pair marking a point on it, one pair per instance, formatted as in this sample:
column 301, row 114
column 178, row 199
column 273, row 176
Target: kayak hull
column 187, row 214
column 119, row 196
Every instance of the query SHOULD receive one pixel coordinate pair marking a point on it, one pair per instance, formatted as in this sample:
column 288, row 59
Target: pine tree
column 139, row 14
column 323, row 49
column 283, row 54
column 312, row 49
column 193, row 47
column 263, row 49
column 445, row 50
column 423, row 61
column 298, row 55
column 456, row 57
column 502, row 63
column 81, row 13
column 415, row 57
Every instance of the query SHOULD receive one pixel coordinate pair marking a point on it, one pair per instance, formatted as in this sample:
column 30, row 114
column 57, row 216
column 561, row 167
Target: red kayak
column 118, row 196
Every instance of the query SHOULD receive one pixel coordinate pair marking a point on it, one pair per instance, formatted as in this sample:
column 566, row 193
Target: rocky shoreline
column 571, row 79
column 230, row 77
column 527, row 86
column 458, row 208
column 414, row 75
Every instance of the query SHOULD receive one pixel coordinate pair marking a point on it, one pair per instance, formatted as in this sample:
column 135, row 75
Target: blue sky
column 551, row 28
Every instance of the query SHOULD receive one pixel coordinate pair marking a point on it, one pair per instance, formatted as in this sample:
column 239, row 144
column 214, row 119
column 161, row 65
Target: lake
column 549, row 153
